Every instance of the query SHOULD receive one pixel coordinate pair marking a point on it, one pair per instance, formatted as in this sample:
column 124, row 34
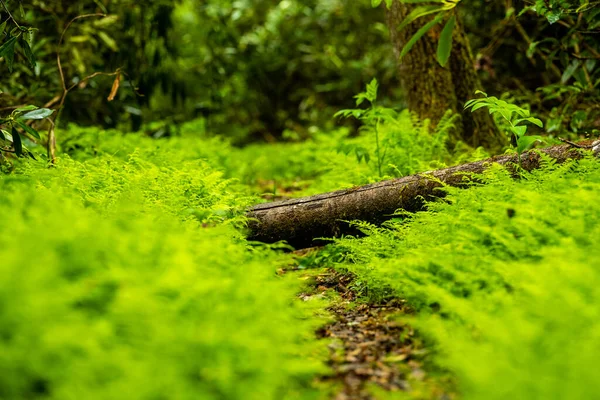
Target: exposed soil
column 370, row 346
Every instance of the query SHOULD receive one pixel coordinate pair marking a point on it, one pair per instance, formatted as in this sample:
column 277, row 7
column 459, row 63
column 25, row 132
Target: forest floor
column 131, row 253
column 369, row 346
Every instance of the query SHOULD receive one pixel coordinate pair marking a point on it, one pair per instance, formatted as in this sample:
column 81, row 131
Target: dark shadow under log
column 301, row 222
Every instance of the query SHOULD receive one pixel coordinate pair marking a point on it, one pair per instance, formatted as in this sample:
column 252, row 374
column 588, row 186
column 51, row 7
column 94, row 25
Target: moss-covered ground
column 125, row 274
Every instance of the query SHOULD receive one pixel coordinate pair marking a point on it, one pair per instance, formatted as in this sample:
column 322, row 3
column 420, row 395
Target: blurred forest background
column 271, row 69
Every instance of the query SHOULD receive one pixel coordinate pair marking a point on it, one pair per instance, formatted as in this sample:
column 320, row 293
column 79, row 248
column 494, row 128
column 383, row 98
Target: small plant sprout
column 372, row 117
column 514, row 115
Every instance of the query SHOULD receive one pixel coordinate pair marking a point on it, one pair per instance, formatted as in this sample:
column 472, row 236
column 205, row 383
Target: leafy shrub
column 93, row 44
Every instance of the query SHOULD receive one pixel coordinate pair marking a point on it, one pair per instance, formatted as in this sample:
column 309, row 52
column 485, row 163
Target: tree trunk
column 301, row 222
column 430, row 89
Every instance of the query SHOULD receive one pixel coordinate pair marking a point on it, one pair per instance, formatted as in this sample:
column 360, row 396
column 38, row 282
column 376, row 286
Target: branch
column 60, row 41
column 10, row 15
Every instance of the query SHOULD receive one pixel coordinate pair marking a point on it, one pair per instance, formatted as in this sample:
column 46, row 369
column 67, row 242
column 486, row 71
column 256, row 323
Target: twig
column 52, row 102
column 584, row 57
column 578, row 146
column 61, row 102
column 10, row 15
column 51, row 142
column 92, row 76
column 58, row 101
column 62, row 37
column 12, row 107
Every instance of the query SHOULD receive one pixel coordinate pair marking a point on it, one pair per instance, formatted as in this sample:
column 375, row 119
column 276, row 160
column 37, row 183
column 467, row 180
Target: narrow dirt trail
column 370, row 347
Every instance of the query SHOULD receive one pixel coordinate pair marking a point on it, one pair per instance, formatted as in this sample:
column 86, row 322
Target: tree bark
column 430, row 89
column 302, row 222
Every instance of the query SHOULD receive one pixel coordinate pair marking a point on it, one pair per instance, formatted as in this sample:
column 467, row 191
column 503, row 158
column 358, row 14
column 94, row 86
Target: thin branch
column 10, row 15
column 578, row 146
column 52, row 102
column 592, row 50
column 12, row 107
column 62, row 37
column 92, row 76
column 59, row 100
column 51, row 145
column 584, row 57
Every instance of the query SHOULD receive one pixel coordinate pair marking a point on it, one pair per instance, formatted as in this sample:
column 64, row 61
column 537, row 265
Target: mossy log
column 303, row 222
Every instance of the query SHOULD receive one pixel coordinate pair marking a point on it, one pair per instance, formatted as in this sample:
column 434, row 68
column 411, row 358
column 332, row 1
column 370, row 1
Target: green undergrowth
column 505, row 279
column 123, row 275
column 327, row 161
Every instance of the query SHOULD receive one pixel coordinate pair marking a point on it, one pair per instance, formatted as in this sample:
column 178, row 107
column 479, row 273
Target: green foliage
column 504, row 278
column 18, row 118
column 443, row 10
column 115, row 34
column 513, row 115
column 372, row 117
column 13, row 34
column 269, row 66
column 399, row 149
column 329, row 160
column 548, row 63
column 123, row 276
column 576, row 52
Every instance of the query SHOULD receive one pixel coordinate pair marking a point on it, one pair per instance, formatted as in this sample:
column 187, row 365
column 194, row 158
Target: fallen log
column 301, row 222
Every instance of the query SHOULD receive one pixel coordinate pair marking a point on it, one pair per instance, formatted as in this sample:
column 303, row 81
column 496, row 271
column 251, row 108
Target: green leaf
column 533, row 120
column 553, row 16
column 7, row 136
column 519, row 130
column 505, row 113
column 424, row 29
column 2, row 27
column 26, row 108
column 28, row 129
column 445, row 44
column 526, row 142
column 417, row 13
column 39, row 113
column 569, row 71
column 372, row 89
column 7, row 50
column 478, row 106
column 2, row 134
column 17, row 144
column 27, row 52
column 525, row 9
column 475, row 101
column 110, row 42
